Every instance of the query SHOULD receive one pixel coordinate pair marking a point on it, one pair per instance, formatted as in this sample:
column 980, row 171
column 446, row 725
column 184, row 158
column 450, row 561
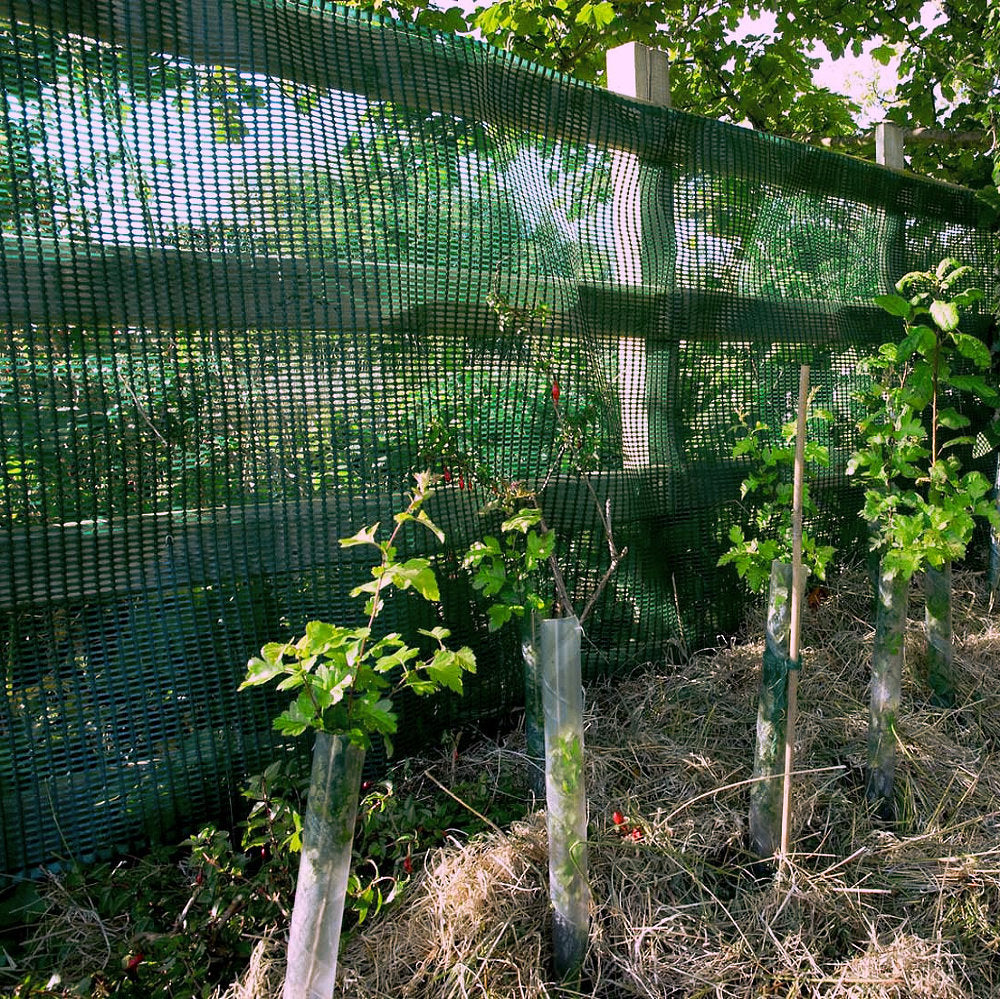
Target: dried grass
column 71, row 925
column 265, row 972
column 908, row 911
column 865, row 910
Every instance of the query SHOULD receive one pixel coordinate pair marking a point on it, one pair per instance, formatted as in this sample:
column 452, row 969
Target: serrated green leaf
column 540, row 546
column 438, row 633
column 260, row 671
column 395, row 660
column 446, row 670
column 418, row 574
column 523, row 520
column 952, row 419
column 499, row 615
column 366, row 536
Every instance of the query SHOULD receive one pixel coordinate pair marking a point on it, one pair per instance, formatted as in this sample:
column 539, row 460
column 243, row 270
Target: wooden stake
column 796, row 608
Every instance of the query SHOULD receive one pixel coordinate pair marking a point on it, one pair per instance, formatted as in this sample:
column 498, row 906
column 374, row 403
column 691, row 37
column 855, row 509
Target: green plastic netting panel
column 260, row 260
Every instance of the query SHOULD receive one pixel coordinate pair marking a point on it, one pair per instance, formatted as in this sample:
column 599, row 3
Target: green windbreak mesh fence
column 262, row 259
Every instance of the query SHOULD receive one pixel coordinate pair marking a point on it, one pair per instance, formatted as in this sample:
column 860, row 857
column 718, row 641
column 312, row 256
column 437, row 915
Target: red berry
column 447, row 475
column 135, row 961
column 555, row 390
column 618, row 818
column 636, row 834
column 461, row 482
column 407, row 864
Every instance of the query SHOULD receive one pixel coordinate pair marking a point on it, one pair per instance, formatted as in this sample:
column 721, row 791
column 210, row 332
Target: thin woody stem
column 562, row 593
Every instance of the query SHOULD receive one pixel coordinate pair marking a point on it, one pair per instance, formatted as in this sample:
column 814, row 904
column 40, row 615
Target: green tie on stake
column 796, row 607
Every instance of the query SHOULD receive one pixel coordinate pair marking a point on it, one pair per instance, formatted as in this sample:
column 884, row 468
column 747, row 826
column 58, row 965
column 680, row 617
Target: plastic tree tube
column 562, row 701
column 766, row 791
column 327, row 838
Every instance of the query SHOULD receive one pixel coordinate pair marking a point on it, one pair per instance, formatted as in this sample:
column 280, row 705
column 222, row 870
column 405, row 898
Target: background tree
column 754, row 62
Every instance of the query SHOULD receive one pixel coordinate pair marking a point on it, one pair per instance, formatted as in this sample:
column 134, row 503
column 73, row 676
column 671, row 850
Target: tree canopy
column 754, row 62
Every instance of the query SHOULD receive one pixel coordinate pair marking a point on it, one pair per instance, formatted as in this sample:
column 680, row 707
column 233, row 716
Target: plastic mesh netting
column 262, row 259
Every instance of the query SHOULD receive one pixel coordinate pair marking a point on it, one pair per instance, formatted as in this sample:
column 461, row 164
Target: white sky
column 859, row 77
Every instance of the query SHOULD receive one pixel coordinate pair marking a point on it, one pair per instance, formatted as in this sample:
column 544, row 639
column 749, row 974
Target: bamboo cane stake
column 796, row 604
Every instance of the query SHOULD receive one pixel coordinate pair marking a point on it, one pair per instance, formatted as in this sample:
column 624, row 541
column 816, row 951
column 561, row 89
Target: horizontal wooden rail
column 427, row 73
column 107, row 286
column 142, row 553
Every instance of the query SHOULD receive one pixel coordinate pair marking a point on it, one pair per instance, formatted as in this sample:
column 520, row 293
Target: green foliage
column 517, row 569
column 737, row 63
column 567, row 762
column 922, row 504
column 181, row 922
column 345, row 677
column 510, row 569
column 766, row 533
column 404, row 815
column 171, row 924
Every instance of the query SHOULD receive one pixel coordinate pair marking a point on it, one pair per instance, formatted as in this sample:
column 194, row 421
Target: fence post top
column 639, row 71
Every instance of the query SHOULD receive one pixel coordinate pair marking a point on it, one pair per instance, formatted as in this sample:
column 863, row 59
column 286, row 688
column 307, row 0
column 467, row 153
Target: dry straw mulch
column 904, row 911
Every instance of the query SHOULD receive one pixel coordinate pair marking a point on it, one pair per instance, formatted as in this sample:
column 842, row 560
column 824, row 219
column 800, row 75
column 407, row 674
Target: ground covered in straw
column 905, row 911
column 866, row 909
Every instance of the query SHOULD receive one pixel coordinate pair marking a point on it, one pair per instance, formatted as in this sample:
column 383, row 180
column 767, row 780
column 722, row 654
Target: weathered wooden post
column 645, row 245
column 937, row 582
column 890, row 588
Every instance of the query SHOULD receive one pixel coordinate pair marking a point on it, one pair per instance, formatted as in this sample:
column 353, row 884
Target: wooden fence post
column 888, row 153
column 645, row 244
column 937, row 582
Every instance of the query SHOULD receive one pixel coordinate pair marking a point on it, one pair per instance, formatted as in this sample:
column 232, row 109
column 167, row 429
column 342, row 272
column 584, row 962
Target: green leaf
column 366, row 536
column 975, row 484
column 540, row 546
column 973, row 348
column 395, row 660
column 919, row 340
column 447, row 667
column 376, row 716
column 957, row 442
column 952, row 419
column 260, row 671
column 416, row 572
column 968, row 296
column 945, row 314
column 499, row 615
column 425, row 520
column 298, row 717
column 438, row 633
column 523, row 520
column 883, row 54
column 480, row 550
column 975, row 385
column 895, row 305
column 490, row 578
